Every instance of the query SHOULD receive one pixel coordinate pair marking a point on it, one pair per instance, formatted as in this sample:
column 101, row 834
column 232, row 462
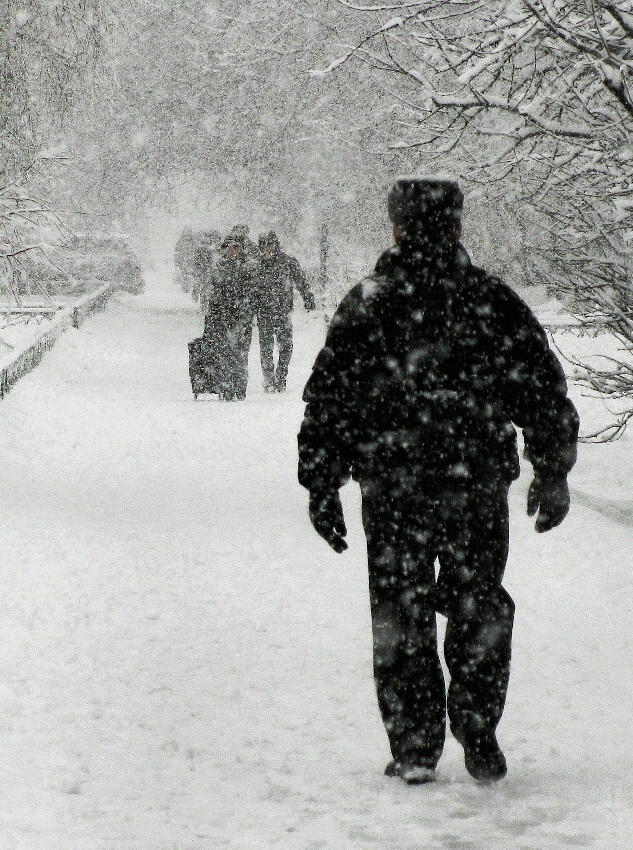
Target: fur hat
column 232, row 239
column 425, row 205
column 240, row 231
column 269, row 238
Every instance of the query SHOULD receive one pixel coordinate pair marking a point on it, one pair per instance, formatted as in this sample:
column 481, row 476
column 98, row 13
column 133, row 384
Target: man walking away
column 427, row 367
column 278, row 274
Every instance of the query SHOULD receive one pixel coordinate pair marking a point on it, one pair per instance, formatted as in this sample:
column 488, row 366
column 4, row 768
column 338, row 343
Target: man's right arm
column 324, row 462
column 329, row 430
column 300, row 280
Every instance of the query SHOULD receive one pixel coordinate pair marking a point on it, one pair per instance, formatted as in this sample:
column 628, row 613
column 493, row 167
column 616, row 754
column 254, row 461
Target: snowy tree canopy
column 216, row 100
column 529, row 101
column 47, row 53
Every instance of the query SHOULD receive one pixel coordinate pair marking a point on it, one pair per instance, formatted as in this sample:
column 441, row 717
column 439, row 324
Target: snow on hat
column 422, row 204
column 232, row 239
column 240, row 231
column 269, row 238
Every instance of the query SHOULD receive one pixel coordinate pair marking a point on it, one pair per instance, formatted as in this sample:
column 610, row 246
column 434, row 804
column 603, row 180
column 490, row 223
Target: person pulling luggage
column 228, row 322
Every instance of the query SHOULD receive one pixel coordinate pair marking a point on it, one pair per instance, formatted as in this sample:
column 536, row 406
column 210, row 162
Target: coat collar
column 414, row 269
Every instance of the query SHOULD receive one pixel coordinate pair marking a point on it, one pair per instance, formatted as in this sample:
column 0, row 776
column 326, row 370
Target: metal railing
column 22, row 362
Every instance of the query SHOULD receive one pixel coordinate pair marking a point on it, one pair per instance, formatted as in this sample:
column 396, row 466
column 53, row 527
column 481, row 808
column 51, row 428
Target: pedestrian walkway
column 187, row 666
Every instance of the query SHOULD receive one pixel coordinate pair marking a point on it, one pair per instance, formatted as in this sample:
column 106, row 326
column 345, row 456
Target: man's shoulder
column 491, row 285
column 492, row 295
column 369, row 291
column 360, row 307
column 289, row 262
column 381, row 282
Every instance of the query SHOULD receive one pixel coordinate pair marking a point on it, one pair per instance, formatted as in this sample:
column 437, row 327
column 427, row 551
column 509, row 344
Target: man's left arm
column 299, row 279
column 547, row 417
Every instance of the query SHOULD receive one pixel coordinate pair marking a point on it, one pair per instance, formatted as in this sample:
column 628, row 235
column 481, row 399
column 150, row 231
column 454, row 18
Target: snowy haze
column 187, row 666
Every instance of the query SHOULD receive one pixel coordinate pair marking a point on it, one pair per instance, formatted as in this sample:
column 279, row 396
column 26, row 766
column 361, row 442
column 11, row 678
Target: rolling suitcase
column 204, row 367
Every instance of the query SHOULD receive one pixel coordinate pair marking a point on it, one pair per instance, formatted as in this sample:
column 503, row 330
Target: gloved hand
column 309, row 303
column 326, row 515
column 550, row 496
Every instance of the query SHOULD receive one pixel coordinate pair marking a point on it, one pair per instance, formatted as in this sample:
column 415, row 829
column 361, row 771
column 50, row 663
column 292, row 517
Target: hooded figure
column 273, row 297
column 428, row 366
column 241, row 233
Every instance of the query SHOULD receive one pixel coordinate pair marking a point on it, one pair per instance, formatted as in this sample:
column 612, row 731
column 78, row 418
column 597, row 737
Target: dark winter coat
column 231, row 302
column 427, row 366
column 205, row 263
column 184, row 251
column 274, row 286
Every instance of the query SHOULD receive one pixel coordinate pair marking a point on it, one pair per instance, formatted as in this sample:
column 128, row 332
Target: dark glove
column 326, row 515
column 550, row 496
column 309, row 303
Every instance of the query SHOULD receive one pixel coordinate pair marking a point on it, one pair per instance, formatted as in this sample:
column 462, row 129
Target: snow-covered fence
column 592, row 329
column 89, row 304
column 27, row 359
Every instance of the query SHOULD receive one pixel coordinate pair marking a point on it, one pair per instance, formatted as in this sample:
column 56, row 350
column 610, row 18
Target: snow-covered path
column 186, row 666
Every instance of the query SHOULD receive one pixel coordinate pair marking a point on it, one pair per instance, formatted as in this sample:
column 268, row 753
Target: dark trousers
column 231, row 343
column 275, row 329
column 408, row 527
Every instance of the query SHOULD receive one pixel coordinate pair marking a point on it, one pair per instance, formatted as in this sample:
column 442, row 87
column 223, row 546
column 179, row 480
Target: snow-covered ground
column 185, row 665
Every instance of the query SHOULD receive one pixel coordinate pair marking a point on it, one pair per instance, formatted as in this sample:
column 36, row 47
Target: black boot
column 412, row 774
column 483, row 757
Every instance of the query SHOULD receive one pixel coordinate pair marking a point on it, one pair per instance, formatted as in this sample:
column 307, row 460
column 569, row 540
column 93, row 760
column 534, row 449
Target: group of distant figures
column 238, row 282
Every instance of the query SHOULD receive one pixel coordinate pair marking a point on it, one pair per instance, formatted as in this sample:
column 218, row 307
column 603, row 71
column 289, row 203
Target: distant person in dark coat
column 184, row 259
column 427, row 367
column 206, row 256
column 229, row 318
column 278, row 275
column 241, row 232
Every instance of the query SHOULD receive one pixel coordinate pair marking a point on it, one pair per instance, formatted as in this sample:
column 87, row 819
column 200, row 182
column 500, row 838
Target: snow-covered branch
column 529, row 112
column 531, row 103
